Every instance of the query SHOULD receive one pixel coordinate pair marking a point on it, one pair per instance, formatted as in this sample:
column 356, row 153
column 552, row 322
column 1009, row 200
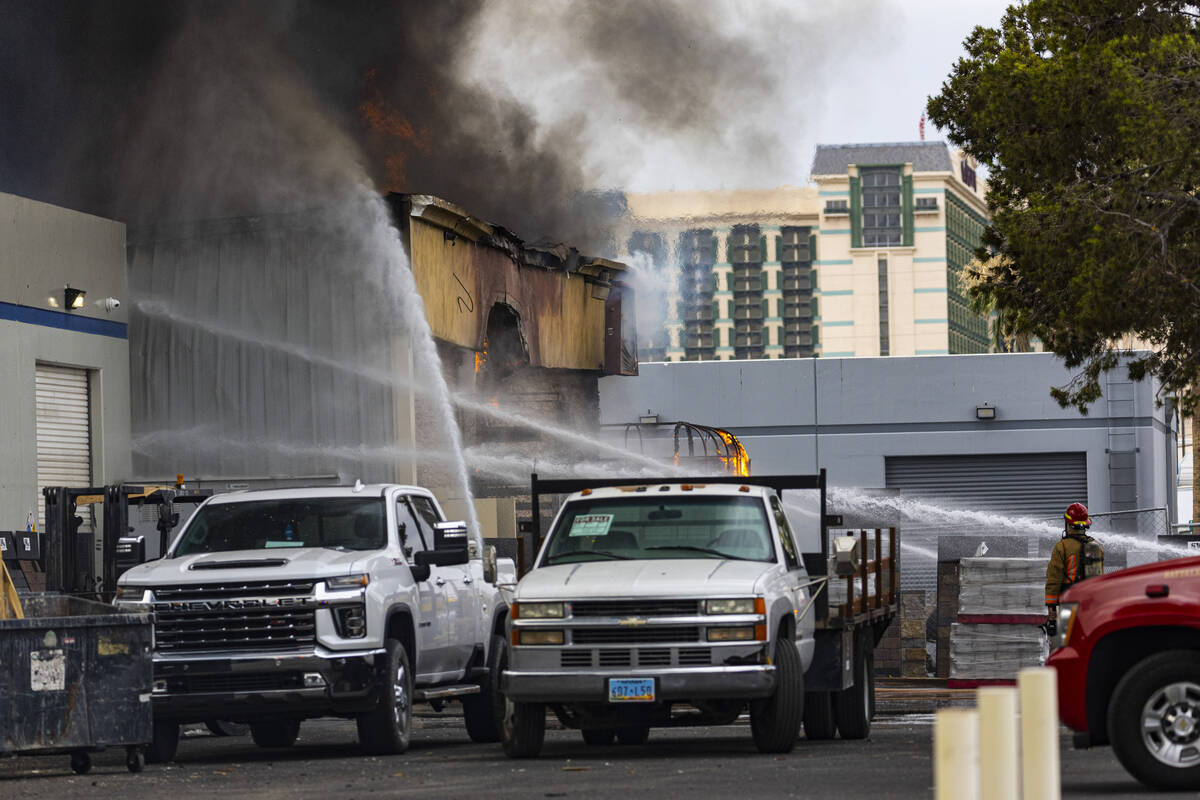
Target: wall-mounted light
column 648, row 419
column 73, row 298
column 985, row 412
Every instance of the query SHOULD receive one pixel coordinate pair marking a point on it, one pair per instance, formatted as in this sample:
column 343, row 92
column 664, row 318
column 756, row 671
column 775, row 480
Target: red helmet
column 1077, row 514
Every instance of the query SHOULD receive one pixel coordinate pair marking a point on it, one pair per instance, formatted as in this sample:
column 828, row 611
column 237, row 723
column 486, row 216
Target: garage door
column 64, row 431
column 1038, row 485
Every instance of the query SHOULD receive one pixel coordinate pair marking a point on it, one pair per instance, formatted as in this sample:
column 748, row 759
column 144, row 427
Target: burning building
column 274, row 350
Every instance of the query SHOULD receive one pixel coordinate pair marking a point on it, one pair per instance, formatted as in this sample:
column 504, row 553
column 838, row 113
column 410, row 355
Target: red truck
column 1127, row 651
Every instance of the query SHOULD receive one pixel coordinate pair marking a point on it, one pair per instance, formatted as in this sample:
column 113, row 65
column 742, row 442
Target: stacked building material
column 1001, row 606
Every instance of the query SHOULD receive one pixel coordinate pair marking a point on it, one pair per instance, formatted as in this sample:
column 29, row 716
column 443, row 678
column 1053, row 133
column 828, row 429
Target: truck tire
column 387, row 730
column 819, row 722
column 775, row 720
column 634, row 735
column 852, row 706
column 1154, row 720
column 164, row 741
column 276, row 733
column 523, row 729
column 598, row 737
column 481, row 712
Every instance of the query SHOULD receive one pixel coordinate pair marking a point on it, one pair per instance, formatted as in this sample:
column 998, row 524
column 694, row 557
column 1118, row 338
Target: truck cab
column 1127, row 653
column 275, row 606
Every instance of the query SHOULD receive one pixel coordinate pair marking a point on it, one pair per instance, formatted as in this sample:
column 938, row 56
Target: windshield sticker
column 283, row 544
column 591, row 525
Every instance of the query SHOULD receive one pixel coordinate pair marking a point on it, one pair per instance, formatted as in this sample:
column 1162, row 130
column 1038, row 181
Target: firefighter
column 1076, row 556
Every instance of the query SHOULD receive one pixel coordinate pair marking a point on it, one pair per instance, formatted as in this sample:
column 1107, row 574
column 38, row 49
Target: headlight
column 1066, row 621
column 742, row 633
column 351, row 621
column 741, row 605
column 537, row 610
column 347, row 582
column 134, row 593
column 541, row 637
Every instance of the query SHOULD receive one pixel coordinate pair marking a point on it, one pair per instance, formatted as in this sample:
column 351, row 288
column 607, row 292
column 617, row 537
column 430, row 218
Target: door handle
column 440, row 581
column 467, row 579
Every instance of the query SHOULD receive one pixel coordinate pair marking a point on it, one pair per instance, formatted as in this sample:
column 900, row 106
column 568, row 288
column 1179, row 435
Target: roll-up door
column 64, row 431
column 996, row 487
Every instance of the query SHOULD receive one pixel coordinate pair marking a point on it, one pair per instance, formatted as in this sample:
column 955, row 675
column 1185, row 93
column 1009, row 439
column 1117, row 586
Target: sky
column 530, row 114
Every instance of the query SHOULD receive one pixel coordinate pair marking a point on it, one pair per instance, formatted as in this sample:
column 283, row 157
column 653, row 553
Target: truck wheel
column 164, row 741
column 481, row 712
column 135, row 759
column 636, row 735
column 388, row 729
column 599, row 737
column 1154, row 720
column 523, row 729
column 852, row 706
column 819, row 722
column 775, row 720
column 275, row 733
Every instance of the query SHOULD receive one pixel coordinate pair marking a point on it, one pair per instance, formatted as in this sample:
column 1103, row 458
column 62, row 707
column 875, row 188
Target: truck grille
column 648, row 657
column 662, row 633
column 635, row 608
column 272, row 628
column 213, row 591
column 234, row 682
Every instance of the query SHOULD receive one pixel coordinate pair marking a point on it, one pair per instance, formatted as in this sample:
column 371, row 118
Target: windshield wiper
column 551, row 559
column 694, row 549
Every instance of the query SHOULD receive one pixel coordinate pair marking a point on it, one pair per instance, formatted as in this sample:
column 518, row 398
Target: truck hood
column 691, row 577
column 1132, row 581
column 300, row 563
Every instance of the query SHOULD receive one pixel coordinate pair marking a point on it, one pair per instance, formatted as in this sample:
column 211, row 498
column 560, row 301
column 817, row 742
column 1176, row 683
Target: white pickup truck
column 274, row 606
column 666, row 603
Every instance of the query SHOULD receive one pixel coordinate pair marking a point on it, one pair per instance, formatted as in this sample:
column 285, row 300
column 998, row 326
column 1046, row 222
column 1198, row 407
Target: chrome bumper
column 736, row 682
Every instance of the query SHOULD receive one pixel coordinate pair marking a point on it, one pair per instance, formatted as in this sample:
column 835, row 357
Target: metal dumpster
column 76, row 678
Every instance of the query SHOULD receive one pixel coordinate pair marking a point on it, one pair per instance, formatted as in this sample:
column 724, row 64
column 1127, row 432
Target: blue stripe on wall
column 843, row 354
column 929, row 290
column 837, row 323
column 834, row 231
column 833, row 192
column 838, row 262
column 935, row 321
column 63, row 320
column 931, row 229
column 835, row 292
column 934, row 190
column 933, row 352
column 929, row 259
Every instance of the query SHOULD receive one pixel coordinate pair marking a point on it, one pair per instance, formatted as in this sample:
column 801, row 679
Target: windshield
column 344, row 523
column 689, row 527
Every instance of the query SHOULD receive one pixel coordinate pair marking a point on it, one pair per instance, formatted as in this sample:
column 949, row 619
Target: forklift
column 69, row 554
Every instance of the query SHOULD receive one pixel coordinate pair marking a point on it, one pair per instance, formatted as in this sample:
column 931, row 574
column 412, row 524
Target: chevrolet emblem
column 629, row 622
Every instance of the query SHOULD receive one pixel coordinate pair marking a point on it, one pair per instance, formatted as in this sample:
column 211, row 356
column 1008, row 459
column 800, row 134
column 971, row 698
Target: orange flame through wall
column 393, row 133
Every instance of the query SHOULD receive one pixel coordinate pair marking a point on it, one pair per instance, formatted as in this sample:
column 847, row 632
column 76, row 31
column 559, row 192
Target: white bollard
column 999, row 768
column 956, row 754
column 1041, row 773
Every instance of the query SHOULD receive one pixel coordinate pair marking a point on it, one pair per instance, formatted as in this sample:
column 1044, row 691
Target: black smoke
column 145, row 111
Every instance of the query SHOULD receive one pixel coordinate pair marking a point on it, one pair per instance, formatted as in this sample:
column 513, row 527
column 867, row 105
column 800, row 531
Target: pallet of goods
column 997, row 633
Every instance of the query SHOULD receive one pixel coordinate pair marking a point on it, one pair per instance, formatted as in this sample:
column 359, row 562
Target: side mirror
column 489, row 563
column 845, row 556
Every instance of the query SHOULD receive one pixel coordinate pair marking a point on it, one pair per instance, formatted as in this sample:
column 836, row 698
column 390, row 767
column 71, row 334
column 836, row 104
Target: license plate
column 631, row 690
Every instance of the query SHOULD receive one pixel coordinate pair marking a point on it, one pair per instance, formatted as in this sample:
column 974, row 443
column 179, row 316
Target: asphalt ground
column 676, row 763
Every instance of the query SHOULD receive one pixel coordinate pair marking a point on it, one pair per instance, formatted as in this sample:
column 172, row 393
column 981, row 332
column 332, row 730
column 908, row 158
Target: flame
column 494, row 401
column 481, row 357
column 393, row 130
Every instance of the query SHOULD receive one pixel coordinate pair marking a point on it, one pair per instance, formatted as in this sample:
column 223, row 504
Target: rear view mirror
column 131, row 551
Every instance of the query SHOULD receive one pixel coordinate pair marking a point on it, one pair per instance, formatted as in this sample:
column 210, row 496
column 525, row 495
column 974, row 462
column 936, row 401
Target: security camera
column 111, row 304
